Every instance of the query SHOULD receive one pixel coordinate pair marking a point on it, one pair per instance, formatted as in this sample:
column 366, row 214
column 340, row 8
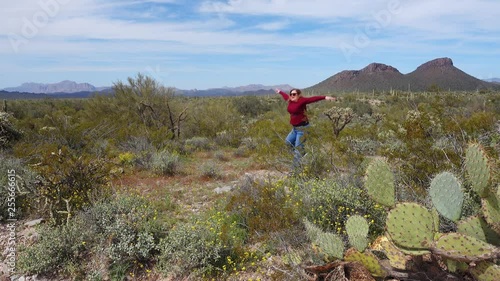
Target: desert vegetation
column 145, row 184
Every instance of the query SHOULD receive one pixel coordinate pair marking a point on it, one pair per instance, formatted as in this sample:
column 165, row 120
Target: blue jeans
column 295, row 140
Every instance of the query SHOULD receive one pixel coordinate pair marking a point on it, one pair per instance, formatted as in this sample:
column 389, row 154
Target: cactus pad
column 357, row 230
column 491, row 210
column 486, row 271
column 464, row 248
column 379, row 182
column 447, row 196
column 312, row 231
column 331, row 245
column 478, row 169
column 411, row 225
column 478, row 228
column 456, row 266
column 397, row 259
column 368, row 259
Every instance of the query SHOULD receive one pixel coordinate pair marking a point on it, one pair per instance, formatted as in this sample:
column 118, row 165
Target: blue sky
column 210, row 43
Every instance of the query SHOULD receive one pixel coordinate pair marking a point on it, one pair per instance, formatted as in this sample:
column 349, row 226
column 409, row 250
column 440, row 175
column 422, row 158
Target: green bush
column 250, row 106
column 210, row 169
column 198, row 144
column 24, row 178
column 329, row 203
column 56, row 248
column 190, row 247
column 165, row 163
column 8, row 133
column 127, row 227
column 68, row 183
column 124, row 230
column 264, row 207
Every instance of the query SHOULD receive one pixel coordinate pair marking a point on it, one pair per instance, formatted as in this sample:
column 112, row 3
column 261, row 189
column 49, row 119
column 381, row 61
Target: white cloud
column 131, row 31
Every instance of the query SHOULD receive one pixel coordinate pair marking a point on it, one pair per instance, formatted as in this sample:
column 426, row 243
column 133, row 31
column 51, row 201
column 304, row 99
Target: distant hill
column 77, row 95
column 65, row 86
column 493, row 80
column 71, row 89
column 440, row 73
column 252, row 89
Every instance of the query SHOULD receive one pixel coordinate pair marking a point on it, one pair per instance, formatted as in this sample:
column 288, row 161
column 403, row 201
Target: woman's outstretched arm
column 283, row 94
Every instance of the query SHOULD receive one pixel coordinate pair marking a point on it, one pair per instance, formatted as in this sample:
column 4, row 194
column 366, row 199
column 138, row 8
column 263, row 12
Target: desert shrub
column 8, row 133
column 206, row 245
column 127, row 228
column 417, row 154
column 55, row 248
column 210, row 169
column 268, row 134
column 360, row 108
column 190, row 247
column 68, row 183
column 329, row 203
column 126, row 158
column 124, row 230
column 250, row 106
column 264, row 207
column 212, row 115
column 197, row 144
column 142, row 106
column 221, row 156
column 226, row 138
column 165, row 163
column 246, row 147
column 24, row 179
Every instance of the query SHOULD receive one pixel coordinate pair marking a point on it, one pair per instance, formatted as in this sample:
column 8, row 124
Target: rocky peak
column 379, row 67
column 436, row 63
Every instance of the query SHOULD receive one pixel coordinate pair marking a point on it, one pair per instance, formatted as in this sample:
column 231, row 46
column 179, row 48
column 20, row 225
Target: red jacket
column 298, row 110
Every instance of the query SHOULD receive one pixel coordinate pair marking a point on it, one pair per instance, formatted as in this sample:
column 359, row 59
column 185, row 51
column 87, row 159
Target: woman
column 298, row 119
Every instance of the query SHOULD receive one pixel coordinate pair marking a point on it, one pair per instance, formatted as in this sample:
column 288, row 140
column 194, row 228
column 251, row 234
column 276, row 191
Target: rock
column 223, row 189
column 33, row 222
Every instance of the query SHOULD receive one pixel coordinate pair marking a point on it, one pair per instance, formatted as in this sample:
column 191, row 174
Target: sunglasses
column 293, row 94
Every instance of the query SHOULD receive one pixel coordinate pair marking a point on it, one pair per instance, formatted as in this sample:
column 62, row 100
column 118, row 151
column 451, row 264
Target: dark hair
column 296, row 90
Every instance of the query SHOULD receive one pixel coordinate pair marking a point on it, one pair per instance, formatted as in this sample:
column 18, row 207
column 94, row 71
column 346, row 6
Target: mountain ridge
column 438, row 73
column 65, row 86
column 72, row 87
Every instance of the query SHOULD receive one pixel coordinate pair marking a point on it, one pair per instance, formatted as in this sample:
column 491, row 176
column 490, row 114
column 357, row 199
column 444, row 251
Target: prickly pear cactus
column 328, row 244
column 491, row 211
column 357, row 230
column 478, row 169
column 447, row 196
column 486, row 271
column 464, row 248
column 379, row 182
column 368, row 259
column 397, row 258
column 331, row 245
column 478, row 228
column 312, row 231
column 411, row 226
